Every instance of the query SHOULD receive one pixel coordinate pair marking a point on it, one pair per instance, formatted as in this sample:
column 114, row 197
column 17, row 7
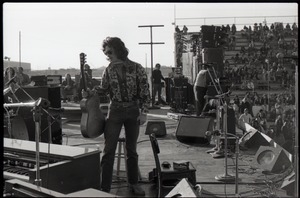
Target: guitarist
column 126, row 83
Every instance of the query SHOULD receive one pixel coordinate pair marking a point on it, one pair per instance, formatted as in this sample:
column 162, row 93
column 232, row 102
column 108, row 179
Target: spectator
column 246, row 117
column 278, row 125
column 172, row 73
column 22, row 79
column 278, row 107
column 9, row 74
column 68, row 87
column 88, row 70
column 233, row 29
column 245, row 104
column 227, row 28
column 288, row 131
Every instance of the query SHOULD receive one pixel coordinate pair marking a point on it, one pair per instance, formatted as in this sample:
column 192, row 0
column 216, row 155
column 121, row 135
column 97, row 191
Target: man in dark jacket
column 157, row 84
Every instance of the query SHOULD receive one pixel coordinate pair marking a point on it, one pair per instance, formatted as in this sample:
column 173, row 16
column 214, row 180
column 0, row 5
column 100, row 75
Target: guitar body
column 92, row 119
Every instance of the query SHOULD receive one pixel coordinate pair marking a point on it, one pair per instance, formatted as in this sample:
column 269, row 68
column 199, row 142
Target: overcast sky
column 54, row 34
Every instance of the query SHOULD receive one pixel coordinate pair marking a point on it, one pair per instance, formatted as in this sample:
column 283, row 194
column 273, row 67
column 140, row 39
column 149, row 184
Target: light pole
column 151, row 44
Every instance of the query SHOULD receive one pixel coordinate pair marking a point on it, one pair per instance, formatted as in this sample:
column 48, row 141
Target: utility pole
column 151, row 44
column 20, row 48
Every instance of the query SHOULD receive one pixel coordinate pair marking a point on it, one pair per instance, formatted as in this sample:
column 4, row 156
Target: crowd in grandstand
column 261, row 64
column 263, row 59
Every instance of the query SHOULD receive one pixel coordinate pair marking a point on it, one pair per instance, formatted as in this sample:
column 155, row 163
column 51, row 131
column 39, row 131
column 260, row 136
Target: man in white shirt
column 246, row 117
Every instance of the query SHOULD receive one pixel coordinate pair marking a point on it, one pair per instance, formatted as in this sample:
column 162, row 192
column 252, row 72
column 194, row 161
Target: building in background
column 15, row 64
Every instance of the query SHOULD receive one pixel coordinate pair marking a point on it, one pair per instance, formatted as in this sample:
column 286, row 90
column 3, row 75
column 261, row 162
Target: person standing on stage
column 157, row 84
column 127, row 84
column 200, row 89
column 23, row 79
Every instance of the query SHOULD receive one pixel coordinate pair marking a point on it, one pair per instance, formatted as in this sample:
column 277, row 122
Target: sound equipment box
column 191, row 129
column 156, row 127
column 272, row 159
column 182, row 189
column 254, row 139
column 214, row 55
column 52, row 94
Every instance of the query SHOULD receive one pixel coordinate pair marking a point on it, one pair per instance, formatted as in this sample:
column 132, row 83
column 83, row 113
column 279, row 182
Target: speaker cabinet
column 191, row 129
column 182, row 189
column 52, row 94
column 207, row 39
column 254, row 139
column 272, row 159
column 156, row 127
column 214, row 55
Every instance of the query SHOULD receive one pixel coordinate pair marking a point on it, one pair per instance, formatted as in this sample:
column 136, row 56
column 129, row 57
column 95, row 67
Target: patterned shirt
column 134, row 87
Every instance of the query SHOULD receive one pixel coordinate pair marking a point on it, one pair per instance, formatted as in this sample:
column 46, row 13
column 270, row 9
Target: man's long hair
column 118, row 45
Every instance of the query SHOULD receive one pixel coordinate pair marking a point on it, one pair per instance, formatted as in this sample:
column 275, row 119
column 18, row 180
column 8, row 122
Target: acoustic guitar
column 92, row 119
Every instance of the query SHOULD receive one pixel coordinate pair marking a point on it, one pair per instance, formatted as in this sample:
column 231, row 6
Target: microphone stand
column 225, row 177
column 37, row 108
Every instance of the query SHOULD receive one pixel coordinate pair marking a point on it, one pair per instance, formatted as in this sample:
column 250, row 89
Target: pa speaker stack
column 208, row 40
column 191, row 129
column 214, row 55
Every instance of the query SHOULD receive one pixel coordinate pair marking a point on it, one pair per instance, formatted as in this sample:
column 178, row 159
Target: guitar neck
column 82, row 62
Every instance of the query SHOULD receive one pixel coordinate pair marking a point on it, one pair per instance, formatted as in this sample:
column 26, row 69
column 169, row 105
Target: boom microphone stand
column 37, row 107
column 223, row 177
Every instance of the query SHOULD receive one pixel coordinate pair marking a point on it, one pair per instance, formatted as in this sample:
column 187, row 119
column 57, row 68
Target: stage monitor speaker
column 156, row 127
column 272, row 159
column 288, row 184
column 191, row 129
column 214, row 55
column 254, row 139
column 182, row 189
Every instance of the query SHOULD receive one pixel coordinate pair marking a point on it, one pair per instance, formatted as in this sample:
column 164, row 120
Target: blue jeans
column 118, row 116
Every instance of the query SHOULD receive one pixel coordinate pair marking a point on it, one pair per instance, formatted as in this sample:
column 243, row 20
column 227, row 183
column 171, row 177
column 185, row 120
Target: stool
column 119, row 155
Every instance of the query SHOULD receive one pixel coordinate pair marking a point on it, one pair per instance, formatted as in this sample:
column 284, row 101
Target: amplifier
column 49, row 93
column 54, row 80
column 39, row 80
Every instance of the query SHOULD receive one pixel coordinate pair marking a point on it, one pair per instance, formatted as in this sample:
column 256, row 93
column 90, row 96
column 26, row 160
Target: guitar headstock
column 82, row 59
column 82, row 63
